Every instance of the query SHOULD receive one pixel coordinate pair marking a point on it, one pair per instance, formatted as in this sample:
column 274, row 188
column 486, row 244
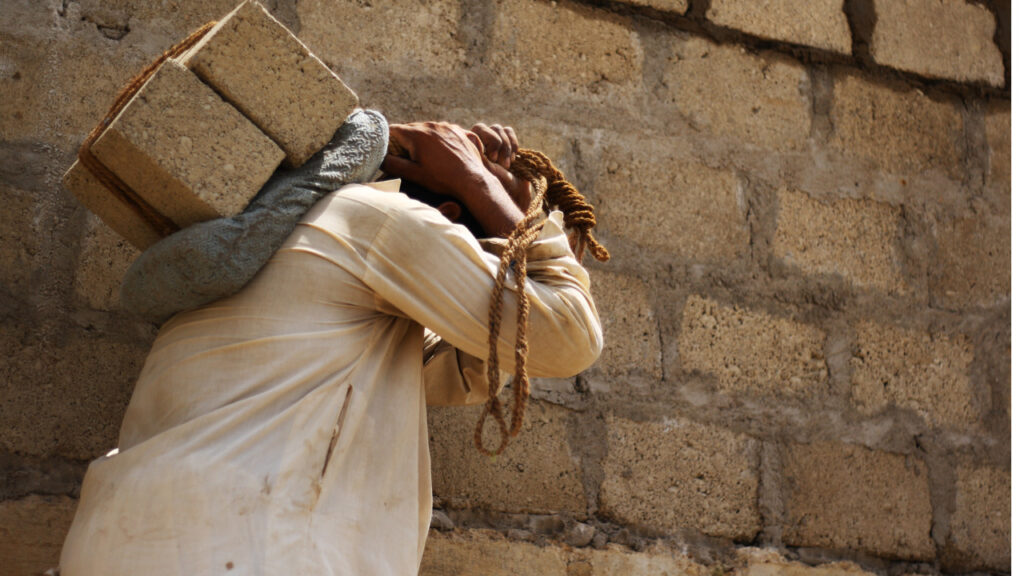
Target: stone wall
column 807, row 312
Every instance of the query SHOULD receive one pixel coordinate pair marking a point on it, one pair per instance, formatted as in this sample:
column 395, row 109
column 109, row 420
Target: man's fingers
column 490, row 139
column 402, row 135
column 477, row 142
column 402, row 168
column 513, row 139
column 504, row 147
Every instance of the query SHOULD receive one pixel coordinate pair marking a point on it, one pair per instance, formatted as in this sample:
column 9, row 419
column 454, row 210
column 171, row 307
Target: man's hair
column 431, row 198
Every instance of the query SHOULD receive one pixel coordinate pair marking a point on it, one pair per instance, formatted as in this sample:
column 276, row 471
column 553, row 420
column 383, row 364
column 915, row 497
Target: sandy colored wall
column 807, row 313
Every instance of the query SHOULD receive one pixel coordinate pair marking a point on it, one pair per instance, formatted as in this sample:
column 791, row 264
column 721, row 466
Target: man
column 282, row 430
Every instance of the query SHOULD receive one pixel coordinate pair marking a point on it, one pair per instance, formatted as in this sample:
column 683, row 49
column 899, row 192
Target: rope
column 162, row 224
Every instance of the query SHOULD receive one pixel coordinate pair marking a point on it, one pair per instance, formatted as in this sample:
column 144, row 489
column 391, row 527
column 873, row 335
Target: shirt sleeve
column 424, row 267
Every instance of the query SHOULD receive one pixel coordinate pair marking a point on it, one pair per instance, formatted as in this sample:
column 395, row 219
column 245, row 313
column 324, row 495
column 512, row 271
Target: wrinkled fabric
column 283, row 430
column 214, row 259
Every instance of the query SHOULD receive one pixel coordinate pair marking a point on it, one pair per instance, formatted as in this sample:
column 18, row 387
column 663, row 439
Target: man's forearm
column 486, row 199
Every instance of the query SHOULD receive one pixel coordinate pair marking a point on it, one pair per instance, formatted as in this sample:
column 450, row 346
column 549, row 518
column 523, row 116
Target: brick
column 64, row 399
column 973, row 261
column 470, row 553
column 632, row 343
column 857, row 239
column 842, row 496
column 980, row 526
column 772, row 111
column 616, row 561
column 576, row 49
column 112, row 211
column 902, row 131
column 768, row 562
column 751, row 352
column 24, row 79
column 674, row 6
column 537, row 473
column 32, row 532
column 268, row 74
column 19, row 239
column 102, row 263
column 671, row 204
column 338, row 31
column 188, row 153
column 819, row 24
column 926, row 373
column 997, row 134
column 951, row 39
column 674, row 474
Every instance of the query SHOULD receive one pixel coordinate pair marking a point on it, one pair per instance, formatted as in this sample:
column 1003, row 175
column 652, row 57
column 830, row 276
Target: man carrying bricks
column 282, row 430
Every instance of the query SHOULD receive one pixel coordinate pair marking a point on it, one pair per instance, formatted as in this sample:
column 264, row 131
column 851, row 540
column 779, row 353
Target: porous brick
column 842, row 496
column 616, row 561
column 102, row 263
column 474, row 552
column 672, row 204
column 114, row 212
column 748, row 99
column 537, row 472
column 939, row 38
column 997, row 134
column 188, row 153
column 769, row 562
column 268, row 74
column 64, row 399
column 631, row 340
column 820, row 24
column 674, row 6
column 575, row 48
column 677, row 474
column 980, row 526
column 856, row 239
column 973, row 261
column 926, row 373
column 404, row 35
column 751, row 352
column 19, row 239
column 32, row 532
column 902, row 131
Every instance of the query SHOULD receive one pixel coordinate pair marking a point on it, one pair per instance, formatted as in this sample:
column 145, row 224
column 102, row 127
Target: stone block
column 185, row 151
column 537, row 473
column 842, row 496
column 19, row 239
column 972, row 261
column 25, row 76
column 926, row 373
column 116, row 213
column 980, row 526
column 417, row 38
column 678, row 7
column 32, row 532
column 65, row 399
column 676, row 474
column 474, row 552
column 671, row 204
column 997, row 134
column 102, row 263
column 572, row 48
column 951, row 39
column 857, row 239
column 750, row 100
column 820, row 24
column 900, row 130
column 616, row 561
column 632, row 343
column 768, row 562
column 268, row 74
column 751, row 352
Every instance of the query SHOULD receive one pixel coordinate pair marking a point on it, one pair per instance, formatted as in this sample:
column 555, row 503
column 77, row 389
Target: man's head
column 451, row 208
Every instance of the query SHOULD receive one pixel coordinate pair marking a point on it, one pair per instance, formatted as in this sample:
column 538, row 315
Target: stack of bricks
column 209, row 127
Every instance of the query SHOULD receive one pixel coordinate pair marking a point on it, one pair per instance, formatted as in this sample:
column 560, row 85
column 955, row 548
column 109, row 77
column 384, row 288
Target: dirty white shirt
column 283, row 430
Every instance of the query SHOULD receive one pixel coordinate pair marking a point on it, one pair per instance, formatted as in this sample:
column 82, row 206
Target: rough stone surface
column 939, row 38
column 531, row 49
column 772, row 110
column 115, row 213
column 842, row 496
column 19, row 239
column 64, row 399
column 980, row 527
column 857, row 239
column 675, row 474
column 678, row 7
column 672, row 204
column 403, row 35
column 767, row 562
column 751, row 352
column 102, row 263
column 973, row 261
column 262, row 69
column 926, row 373
column 820, row 24
column 536, row 473
column 902, row 131
column 32, row 532
column 188, row 153
column 616, row 561
column 631, row 344
column 997, row 134
column 470, row 553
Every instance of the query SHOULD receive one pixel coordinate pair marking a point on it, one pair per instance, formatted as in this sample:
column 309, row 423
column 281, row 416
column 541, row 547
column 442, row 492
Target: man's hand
column 500, row 146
